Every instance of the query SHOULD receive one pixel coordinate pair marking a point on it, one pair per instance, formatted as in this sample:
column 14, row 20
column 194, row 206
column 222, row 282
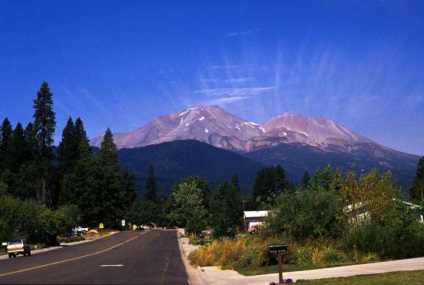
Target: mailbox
column 278, row 248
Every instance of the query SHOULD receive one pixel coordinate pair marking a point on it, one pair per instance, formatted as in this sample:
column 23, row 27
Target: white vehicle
column 16, row 247
column 79, row 230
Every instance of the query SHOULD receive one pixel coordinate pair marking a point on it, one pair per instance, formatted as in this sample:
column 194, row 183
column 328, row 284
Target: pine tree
column 44, row 128
column 68, row 147
column 305, row 181
column 235, row 182
column 151, row 188
column 6, row 133
column 417, row 190
column 17, row 150
column 226, row 209
column 113, row 195
column 280, row 181
column 129, row 185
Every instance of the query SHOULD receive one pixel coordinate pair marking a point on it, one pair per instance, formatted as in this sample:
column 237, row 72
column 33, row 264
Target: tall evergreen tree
column 83, row 187
column 305, row 181
column 226, row 209
column 44, row 127
column 417, row 190
column 68, row 147
column 6, row 133
column 113, row 198
column 269, row 182
column 31, row 141
column 17, row 150
column 80, row 133
column 129, row 185
column 235, row 182
column 280, row 180
column 151, row 188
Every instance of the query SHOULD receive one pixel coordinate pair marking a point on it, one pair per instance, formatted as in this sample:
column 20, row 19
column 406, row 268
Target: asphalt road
column 150, row 257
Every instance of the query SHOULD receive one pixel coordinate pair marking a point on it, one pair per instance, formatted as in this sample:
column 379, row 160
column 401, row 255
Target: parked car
column 15, row 247
column 206, row 233
column 79, row 230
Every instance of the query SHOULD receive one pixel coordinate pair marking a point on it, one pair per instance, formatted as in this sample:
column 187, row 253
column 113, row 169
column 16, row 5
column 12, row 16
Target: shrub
column 229, row 253
column 333, row 256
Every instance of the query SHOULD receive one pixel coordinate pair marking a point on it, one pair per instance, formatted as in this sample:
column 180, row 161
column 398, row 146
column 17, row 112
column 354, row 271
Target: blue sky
column 119, row 64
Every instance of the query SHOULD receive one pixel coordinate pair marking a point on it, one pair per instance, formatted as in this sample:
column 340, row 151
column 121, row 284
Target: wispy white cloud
column 235, row 92
column 243, row 33
column 238, row 80
column 228, row 66
column 224, row 101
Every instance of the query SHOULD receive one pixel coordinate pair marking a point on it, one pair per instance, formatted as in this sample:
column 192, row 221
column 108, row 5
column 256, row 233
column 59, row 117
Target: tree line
column 45, row 190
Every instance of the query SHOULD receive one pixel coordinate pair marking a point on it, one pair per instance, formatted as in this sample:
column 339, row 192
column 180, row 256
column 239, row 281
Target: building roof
column 255, row 214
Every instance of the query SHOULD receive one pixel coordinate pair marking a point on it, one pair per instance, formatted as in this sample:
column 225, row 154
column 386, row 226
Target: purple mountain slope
column 215, row 126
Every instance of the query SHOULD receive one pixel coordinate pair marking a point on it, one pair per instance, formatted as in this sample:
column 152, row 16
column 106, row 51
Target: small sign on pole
column 101, row 226
column 279, row 249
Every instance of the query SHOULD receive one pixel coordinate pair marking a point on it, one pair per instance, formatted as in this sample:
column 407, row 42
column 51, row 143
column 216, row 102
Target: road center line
column 71, row 259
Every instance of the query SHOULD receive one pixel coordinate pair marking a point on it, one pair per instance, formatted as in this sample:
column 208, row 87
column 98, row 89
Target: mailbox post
column 279, row 249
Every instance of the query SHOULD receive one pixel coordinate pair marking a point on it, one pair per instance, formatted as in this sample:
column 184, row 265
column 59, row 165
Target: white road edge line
column 111, row 265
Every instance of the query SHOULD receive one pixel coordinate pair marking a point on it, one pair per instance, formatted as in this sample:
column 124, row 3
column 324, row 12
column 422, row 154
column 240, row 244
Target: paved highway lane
column 150, row 257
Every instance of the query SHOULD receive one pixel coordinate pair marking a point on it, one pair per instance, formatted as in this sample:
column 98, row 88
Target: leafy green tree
column 52, row 223
column 17, row 218
column 44, row 128
column 188, row 208
column 417, row 190
column 305, row 214
column 201, row 183
column 225, row 209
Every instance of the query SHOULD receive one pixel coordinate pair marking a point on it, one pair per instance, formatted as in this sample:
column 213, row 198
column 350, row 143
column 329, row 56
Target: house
column 361, row 211
column 254, row 218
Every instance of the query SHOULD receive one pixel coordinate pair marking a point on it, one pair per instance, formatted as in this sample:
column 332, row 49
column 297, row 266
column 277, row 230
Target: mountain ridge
column 215, row 126
column 299, row 143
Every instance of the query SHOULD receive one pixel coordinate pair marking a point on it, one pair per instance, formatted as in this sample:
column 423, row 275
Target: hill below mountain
column 182, row 159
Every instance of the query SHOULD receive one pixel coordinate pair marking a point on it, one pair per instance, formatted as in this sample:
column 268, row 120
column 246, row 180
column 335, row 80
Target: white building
column 254, row 218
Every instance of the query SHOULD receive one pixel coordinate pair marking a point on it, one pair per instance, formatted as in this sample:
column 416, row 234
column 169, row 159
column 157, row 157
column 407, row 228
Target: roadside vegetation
column 393, row 278
column 330, row 219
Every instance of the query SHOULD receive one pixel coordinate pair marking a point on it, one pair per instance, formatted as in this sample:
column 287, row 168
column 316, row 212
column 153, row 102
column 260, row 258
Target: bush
column 333, row 256
column 229, row 253
column 73, row 238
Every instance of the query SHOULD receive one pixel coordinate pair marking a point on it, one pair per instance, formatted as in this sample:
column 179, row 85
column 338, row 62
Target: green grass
column 393, row 278
column 274, row 269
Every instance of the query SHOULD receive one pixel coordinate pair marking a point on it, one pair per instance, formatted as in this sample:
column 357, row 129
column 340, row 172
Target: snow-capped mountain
column 209, row 124
column 215, row 126
column 298, row 143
